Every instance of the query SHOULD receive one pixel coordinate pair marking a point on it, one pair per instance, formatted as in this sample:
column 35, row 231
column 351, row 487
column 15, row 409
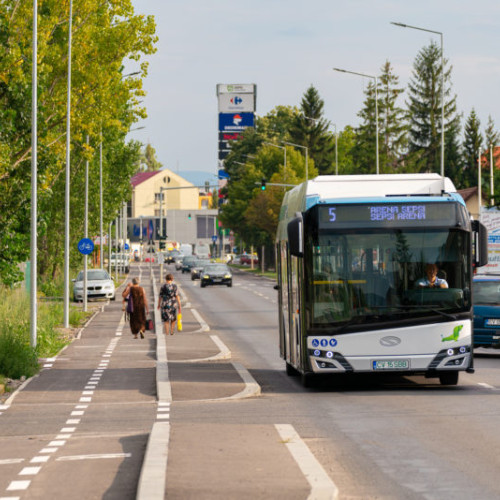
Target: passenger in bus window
column 431, row 280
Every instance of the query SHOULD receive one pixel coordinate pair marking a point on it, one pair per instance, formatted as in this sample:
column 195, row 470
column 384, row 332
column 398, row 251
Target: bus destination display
column 388, row 215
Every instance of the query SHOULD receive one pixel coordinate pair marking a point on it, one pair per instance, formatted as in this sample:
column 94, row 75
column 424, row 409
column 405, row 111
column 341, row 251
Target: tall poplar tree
column 424, row 111
column 471, row 150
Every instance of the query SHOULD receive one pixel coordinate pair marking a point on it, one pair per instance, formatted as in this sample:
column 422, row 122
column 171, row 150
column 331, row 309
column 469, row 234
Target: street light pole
column 440, row 33
column 376, row 108
column 86, row 230
column 34, row 181
column 307, row 155
column 284, row 152
column 68, row 172
column 492, row 180
column 100, row 208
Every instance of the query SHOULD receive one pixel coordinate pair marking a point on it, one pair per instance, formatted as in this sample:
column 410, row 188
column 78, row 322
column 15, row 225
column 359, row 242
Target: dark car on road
column 172, row 256
column 486, row 299
column 216, row 274
column 188, row 263
column 198, row 267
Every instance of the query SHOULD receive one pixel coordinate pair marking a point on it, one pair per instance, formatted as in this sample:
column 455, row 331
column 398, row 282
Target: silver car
column 99, row 285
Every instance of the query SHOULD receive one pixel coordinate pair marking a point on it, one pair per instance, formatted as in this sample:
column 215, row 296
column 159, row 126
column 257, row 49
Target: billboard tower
column 236, row 113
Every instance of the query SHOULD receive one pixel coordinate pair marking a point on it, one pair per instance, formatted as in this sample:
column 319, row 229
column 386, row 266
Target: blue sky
column 285, row 46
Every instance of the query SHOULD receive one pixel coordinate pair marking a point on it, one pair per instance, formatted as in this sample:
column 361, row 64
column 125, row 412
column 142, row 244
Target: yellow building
column 175, row 193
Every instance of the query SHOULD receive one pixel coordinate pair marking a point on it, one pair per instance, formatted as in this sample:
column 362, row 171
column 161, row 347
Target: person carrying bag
column 137, row 307
column 167, row 300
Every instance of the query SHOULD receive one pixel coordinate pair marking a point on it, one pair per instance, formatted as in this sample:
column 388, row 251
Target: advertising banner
column 236, row 88
column 490, row 217
column 235, row 122
column 232, row 103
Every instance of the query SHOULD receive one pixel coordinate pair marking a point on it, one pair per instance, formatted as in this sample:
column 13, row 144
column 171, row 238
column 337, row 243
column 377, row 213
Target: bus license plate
column 391, row 364
column 493, row 322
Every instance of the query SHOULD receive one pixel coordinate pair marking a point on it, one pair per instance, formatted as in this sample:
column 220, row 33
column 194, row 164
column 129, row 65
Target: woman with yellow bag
column 167, row 300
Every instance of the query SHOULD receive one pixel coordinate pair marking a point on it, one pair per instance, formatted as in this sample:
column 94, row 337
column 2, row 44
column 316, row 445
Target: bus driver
column 431, row 280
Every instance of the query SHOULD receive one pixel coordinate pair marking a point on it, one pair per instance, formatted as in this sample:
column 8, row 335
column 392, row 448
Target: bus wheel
column 448, row 378
column 290, row 370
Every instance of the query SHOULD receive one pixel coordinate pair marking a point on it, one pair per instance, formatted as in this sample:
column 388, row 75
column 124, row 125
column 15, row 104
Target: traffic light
column 263, row 185
column 189, row 216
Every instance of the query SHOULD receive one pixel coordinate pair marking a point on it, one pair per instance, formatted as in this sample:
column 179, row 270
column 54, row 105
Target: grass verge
column 17, row 357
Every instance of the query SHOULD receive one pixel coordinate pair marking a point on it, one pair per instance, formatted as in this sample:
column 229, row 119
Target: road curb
column 153, row 473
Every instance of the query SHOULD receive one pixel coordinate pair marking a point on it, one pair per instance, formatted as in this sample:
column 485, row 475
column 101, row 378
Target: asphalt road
column 393, row 438
column 80, row 429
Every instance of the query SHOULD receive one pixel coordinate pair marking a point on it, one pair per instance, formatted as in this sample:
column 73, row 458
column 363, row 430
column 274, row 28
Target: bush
column 17, row 357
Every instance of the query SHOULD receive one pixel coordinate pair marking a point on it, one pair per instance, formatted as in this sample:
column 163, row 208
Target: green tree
column 424, row 111
column 491, row 136
column 311, row 129
column 103, row 101
column 471, row 150
column 393, row 128
column 149, row 162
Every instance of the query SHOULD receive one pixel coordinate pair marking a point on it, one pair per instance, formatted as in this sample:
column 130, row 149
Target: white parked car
column 99, row 285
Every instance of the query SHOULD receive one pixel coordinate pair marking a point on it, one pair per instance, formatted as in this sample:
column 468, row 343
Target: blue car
column 486, row 298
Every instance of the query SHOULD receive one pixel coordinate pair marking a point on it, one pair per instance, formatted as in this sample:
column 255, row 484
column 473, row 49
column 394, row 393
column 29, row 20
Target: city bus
column 352, row 254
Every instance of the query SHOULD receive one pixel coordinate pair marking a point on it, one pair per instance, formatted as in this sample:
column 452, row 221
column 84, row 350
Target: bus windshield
column 358, row 278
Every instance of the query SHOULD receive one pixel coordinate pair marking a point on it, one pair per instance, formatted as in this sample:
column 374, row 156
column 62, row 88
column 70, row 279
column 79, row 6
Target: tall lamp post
column 68, row 171
column 307, row 155
column 34, row 181
column 402, row 25
column 376, row 107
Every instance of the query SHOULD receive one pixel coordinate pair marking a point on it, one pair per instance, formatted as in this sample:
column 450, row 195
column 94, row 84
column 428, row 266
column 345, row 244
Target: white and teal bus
column 352, row 253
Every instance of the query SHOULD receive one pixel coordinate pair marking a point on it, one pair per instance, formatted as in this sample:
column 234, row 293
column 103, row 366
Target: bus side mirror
column 481, row 244
column 295, row 237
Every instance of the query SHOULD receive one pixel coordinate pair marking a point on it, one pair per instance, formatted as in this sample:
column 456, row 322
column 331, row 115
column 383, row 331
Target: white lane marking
column 4, row 407
column 18, row 485
column 93, row 457
column 81, row 407
column 63, row 436
column 201, row 321
column 163, row 416
column 30, row 471
column 8, row 461
column 85, row 400
column 46, row 450
column 77, row 413
column 68, row 429
column 87, row 393
column 487, row 386
column 40, row 460
column 73, row 421
column 322, row 487
column 57, row 443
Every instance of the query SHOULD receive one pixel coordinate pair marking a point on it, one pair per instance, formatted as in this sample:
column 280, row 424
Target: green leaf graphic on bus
column 454, row 336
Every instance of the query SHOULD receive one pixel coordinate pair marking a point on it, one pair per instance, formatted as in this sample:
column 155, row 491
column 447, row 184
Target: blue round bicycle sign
column 85, row 246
